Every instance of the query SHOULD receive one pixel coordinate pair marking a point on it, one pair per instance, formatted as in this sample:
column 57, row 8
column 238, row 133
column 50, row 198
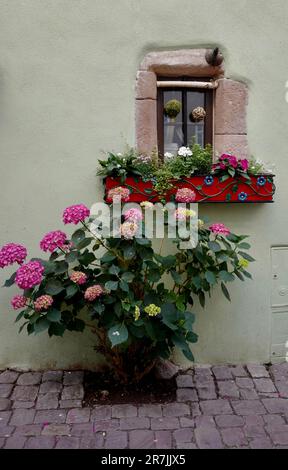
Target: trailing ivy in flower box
column 230, row 179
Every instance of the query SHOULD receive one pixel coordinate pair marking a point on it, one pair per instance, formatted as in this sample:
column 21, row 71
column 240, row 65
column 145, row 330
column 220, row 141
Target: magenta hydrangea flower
column 220, row 229
column 118, row 194
column 18, row 301
column 78, row 277
column 43, row 303
column 133, row 214
column 29, row 275
column 185, row 195
column 93, row 292
column 12, row 253
column 53, row 240
column 244, row 163
column 129, row 229
column 75, row 214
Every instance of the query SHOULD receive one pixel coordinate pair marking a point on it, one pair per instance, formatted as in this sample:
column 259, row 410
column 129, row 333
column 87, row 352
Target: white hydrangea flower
column 168, row 155
column 184, row 152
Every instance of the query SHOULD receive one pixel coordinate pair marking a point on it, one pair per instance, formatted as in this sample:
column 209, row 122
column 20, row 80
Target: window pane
column 195, row 129
column 173, row 124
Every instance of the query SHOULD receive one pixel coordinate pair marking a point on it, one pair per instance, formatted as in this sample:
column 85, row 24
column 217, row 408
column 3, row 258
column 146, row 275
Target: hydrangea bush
column 115, row 286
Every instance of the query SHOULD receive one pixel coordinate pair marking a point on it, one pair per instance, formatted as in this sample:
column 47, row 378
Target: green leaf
column 22, row 327
column 210, row 277
column 114, row 270
column 225, row 291
column 41, row 325
column 196, row 281
column 84, row 243
column 143, row 241
column 234, row 188
column 201, row 296
column 61, row 267
column 56, row 329
column 192, row 337
column 108, row 257
column 10, row 281
column 214, row 246
column 228, row 197
column 176, row 277
column 246, row 256
column 246, row 274
column 20, row 315
column 154, row 275
column 71, row 291
column 127, row 277
column 124, row 286
column 54, row 315
column 244, row 246
column 239, row 275
column 111, row 285
column 53, row 287
column 86, row 258
column 129, row 252
column 224, row 178
column 232, row 237
column 78, row 236
column 226, row 277
column 118, row 334
column 188, row 354
column 71, row 257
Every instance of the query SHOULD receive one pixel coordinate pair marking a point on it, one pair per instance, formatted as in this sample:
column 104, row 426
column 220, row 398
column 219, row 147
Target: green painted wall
column 67, row 71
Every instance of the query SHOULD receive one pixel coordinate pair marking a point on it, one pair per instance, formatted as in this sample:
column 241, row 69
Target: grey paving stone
column 186, row 422
column 279, row 371
column 104, row 412
column 276, row 405
column 150, row 411
column 216, row 407
column 2, row 442
column 66, row 442
column 6, row 390
column 141, row 440
column 164, row 423
column 228, row 389
column 260, row 443
column 73, row 392
column 25, row 393
column 245, row 382
column 20, row 417
column 257, row 371
column 4, row 417
column 203, row 381
column 184, row 381
column 83, row 429
column 92, row 442
column 280, row 438
column 163, row 440
column 183, row 435
column 264, row 385
column 29, row 430
column 238, row 371
column 254, row 431
column 248, row 407
column 207, row 393
column 229, row 421
column 124, row 411
column 202, row 371
column 6, row 431
column 50, row 416
column 40, row 442
column 29, row 378
column 47, row 401
column 248, row 394
column 254, row 420
column 106, row 425
column 8, row 377
column 5, row 404
column 282, row 387
column 116, row 440
column 234, row 437
column 134, row 423
column 23, row 404
column 73, row 378
column 70, row 404
column 15, row 442
column 56, row 430
column 222, row 372
column 50, row 387
column 208, row 437
column 176, row 409
column 186, row 445
column 52, row 375
column 273, row 419
column 195, row 409
column 77, row 415
column 186, row 394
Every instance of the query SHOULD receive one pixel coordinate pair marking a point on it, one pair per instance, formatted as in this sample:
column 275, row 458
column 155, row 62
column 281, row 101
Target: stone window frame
column 230, row 99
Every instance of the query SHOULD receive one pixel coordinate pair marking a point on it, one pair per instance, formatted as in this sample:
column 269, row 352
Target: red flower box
column 208, row 188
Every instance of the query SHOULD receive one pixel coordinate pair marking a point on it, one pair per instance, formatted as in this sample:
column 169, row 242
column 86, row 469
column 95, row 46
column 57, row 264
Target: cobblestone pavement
column 216, row 407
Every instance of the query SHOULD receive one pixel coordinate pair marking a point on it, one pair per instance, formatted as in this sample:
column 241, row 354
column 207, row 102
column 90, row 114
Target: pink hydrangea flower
column 12, row 253
column 53, row 240
column 18, row 301
column 29, row 275
column 93, row 292
column 78, row 277
column 185, row 195
column 129, row 229
column 219, row 229
column 75, row 214
column 244, row 163
column 43, row 303
column 181, row 213
column 133, row 214
column 118, row 194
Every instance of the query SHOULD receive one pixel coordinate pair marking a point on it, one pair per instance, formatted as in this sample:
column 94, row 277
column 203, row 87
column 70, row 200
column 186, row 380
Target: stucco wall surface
column 67, row 76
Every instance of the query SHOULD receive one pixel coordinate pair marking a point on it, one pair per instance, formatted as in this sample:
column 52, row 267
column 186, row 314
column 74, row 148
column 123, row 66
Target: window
column 176, row 124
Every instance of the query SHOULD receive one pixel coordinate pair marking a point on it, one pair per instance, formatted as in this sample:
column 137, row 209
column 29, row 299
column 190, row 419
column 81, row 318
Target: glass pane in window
column 195, row 130
column 173, row 124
